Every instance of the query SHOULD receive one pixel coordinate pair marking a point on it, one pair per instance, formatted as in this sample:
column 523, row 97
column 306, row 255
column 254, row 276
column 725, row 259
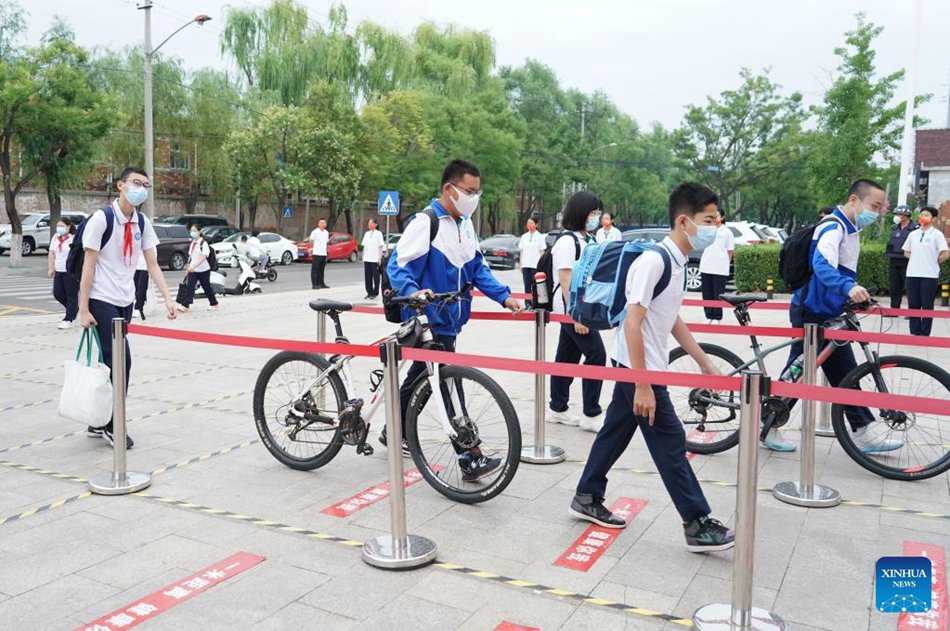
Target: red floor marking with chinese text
column 511, row 626
column 697, row 436
column 938, row 618
column 178, row 592
column 588, row 548
column 370, row 496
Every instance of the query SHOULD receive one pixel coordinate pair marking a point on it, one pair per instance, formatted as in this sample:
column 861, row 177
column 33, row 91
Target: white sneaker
column 65, row 324
column 592, row 423
column 564, row 418
column 869, row 443
column 213, row 307
column 182, row 309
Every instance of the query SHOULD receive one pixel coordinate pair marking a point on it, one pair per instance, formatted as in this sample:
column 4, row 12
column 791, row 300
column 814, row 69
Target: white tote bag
column 87, row 390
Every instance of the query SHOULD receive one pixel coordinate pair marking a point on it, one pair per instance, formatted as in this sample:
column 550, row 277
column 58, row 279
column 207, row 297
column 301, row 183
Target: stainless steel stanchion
column 396, row 551
column 541, row 453
column 805, row 492
column 120, row 481
column 740, row 615
column 823, row 426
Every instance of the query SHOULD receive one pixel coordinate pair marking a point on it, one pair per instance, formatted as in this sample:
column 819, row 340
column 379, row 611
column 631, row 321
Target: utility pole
column 907, row 142
column 583, row 117
column 146, row 6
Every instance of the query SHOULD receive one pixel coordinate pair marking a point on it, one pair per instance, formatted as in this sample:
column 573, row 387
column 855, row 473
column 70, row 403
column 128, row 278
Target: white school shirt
column 141, row 266
column 372, row 246
column 613, row 235
column 532, row 245
column 198, row 248
column 662, row 311
column 60, row 249
column 114, row 279
column 320, row 239
column 924, row 247
column 562, row 257
column 715, row 258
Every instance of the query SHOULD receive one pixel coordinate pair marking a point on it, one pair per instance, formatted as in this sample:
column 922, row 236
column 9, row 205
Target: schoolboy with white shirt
column 926, row 248
column 107, row 285
column 643, row 346
column 372, row 255
column 714, row 268
column 531, row 246
column 318, row 265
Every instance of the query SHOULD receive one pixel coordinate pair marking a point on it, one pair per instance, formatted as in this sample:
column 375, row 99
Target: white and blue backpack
column 598, row 286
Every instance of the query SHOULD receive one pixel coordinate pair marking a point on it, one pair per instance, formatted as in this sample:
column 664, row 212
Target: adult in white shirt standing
column 607, row 231
column 714, row 267
column 531, row 246
column 927, row 249
column 372, row 254
column 319, row 238
column 199, row 271
column 65, row 285
column 581, row 217
column 107, row 286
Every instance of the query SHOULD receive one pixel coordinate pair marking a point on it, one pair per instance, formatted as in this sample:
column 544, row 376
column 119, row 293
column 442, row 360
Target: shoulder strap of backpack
column 577, row 245
column 433, row 223
column 110, row 221
column 664, row 281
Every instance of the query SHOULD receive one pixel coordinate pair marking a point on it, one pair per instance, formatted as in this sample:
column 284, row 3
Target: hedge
column 754, row 264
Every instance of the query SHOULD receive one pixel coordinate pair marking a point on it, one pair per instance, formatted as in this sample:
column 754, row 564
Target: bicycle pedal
column 365, row 449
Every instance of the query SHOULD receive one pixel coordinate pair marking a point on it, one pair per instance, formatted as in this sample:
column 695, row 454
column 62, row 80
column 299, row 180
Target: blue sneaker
column 773, row 444
column 876, row 443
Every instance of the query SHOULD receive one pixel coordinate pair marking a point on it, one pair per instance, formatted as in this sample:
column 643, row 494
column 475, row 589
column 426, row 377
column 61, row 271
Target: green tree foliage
column 857, row 120
column 50, row 109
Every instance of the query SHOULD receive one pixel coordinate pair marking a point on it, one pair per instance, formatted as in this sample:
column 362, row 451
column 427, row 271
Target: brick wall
column 932, row 148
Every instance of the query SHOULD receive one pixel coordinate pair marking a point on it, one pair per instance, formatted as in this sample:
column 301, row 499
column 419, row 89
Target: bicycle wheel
column 482, row 415
column 710, row 427
column 925, row 452
column 293, row 426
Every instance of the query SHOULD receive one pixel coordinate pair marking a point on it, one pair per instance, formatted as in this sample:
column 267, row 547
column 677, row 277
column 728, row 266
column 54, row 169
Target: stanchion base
column 104, row 484
column 547, row 454
column 794, row 493
column 825, row 433
column 379, row 552
column 718, row 617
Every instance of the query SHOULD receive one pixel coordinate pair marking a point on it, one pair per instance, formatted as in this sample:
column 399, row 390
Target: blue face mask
column 592, row 222
column 136, row 194
column 866, row 218
column 704, row 237
column 194, row 234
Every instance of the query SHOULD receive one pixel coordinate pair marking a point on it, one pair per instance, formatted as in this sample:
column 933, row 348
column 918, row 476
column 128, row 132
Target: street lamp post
column 146, row 6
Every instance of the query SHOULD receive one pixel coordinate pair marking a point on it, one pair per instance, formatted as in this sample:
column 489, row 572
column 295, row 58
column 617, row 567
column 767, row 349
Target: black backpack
column 794, row 261
column 393, row 312
column 212, row 258
column 76, row 256
column 546, row 265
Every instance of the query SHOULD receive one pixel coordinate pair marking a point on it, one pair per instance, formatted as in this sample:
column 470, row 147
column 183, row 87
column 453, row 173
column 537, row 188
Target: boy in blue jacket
column 449, row 262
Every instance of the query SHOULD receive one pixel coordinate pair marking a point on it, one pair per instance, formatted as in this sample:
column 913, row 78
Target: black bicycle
column 896, row 444
column 305, row 414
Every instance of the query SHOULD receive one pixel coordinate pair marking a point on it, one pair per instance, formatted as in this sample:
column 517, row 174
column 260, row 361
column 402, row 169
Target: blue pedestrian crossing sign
column 288, row 212
column 388, row 203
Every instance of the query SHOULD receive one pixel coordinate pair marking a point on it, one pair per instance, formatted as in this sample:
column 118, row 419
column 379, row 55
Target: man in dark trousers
column 897, row 262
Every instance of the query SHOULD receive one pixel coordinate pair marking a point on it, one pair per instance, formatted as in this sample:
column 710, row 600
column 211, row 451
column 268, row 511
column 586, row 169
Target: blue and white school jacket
column 834, row 251
column 451, row 262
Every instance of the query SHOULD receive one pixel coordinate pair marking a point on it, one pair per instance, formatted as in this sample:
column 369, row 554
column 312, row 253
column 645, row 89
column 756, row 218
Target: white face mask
column 897, row 219
column 466, row 204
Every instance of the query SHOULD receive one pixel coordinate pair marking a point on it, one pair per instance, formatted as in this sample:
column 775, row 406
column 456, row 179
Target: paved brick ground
column 71, row 563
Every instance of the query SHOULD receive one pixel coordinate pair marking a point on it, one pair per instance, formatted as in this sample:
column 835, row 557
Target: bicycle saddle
column 322, row 304
column 739, row 299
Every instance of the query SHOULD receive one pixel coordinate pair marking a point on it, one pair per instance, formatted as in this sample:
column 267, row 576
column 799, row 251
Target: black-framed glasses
column 138, row 183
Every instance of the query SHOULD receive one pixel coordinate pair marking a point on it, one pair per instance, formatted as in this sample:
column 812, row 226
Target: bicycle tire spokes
column 903, row 445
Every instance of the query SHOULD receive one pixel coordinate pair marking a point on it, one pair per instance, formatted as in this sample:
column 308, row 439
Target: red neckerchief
column 62, row 240
column 191, row 250
column 127, row 237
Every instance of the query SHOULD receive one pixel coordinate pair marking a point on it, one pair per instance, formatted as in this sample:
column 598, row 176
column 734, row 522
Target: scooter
column 245, row 280
column 266, row 271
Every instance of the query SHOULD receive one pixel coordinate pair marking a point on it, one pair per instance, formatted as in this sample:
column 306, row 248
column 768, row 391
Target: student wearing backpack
column 112, row 238
column 65, row 285
column 831, row 267
column 925, row 250
column 642, row 344
column 438, row 253
column 580, row 218
column 199, row 271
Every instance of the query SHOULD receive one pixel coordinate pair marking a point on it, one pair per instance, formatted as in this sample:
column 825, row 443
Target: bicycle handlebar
column 852, row 306
column 423, row 300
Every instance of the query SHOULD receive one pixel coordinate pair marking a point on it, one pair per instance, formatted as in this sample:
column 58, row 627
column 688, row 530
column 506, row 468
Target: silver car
column 35, row 231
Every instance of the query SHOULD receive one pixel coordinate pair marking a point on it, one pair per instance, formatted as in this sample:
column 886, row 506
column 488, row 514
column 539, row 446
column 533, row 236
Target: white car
column 280, row 249
column 746, row 233
column 35, row 231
